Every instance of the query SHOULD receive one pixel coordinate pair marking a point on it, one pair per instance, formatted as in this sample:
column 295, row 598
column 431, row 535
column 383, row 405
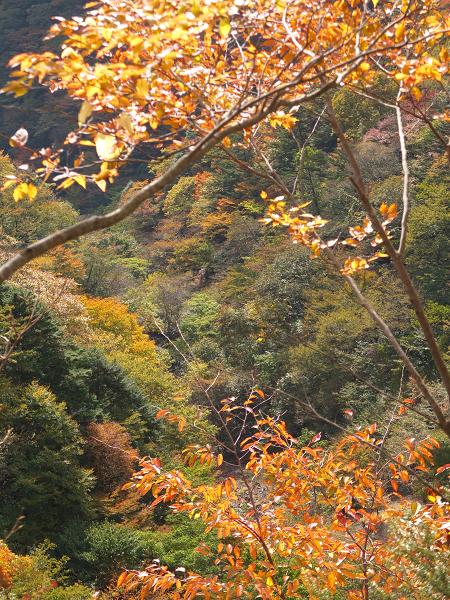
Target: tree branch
column 98, row 222
column 403, row 274
column 442, row 419
column 405, row 168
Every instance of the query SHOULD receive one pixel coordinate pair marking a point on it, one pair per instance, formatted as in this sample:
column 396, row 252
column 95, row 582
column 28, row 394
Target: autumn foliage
column 110, row 454
column 298, row 520
column 211, row 98
column 6, row 567
column 137, row 66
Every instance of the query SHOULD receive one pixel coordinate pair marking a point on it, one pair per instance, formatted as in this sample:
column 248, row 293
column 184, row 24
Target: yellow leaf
column 399, row 31
column 224, row 27
column 81, row 180
column 19, row 192
column 18, row 88
column 332, row 581
column 25, row 190
column 142, row 88
column 136, row 42
column 219, row 460
column 101, row 184
column 32, row 191
column 66, row 183
column 8, row 184
column 85, row 112
column 125, row 122
column 106, row 146
column 384, row 209
column 392, row 211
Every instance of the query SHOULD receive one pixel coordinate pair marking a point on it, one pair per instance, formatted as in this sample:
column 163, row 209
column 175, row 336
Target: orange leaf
column 443, row 468
column 162, row 413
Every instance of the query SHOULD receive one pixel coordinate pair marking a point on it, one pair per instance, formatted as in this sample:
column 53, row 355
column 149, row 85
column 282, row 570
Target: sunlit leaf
column 19, row 139
column 25, row 190
column 224, row 27
column 106, row 146
column 85, row 112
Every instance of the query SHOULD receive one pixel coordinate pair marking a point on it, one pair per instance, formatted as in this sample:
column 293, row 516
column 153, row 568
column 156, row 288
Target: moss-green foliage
column 112, row 547
column 180, row 197
column 199, row 318
column 176, row 545
column 358, row 114
column 113, row 261
column 428, row 253
column 91, row 386
column 192, row 254
column 42, row 479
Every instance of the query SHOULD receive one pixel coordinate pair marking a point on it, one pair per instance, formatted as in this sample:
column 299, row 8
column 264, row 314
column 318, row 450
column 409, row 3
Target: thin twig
column 405, row 168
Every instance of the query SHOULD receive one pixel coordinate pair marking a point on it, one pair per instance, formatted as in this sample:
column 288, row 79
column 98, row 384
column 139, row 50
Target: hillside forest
column 224, row 317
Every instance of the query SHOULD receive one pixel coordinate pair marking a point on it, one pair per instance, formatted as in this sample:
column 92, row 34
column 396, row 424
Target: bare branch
column 405, row 168
column 358, row 182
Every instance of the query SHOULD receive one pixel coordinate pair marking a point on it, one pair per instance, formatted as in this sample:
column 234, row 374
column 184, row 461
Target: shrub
column 112, row 547
column 110, row 454
column 37, row 576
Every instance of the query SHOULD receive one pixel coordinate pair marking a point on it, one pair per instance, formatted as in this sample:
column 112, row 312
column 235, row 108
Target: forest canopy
column 224, row 302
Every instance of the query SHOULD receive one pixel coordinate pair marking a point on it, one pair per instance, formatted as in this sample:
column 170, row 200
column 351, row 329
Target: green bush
column 192, row 254
column 43, row 477
column 177, row 546
column 113, row 547
column 200, row 317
